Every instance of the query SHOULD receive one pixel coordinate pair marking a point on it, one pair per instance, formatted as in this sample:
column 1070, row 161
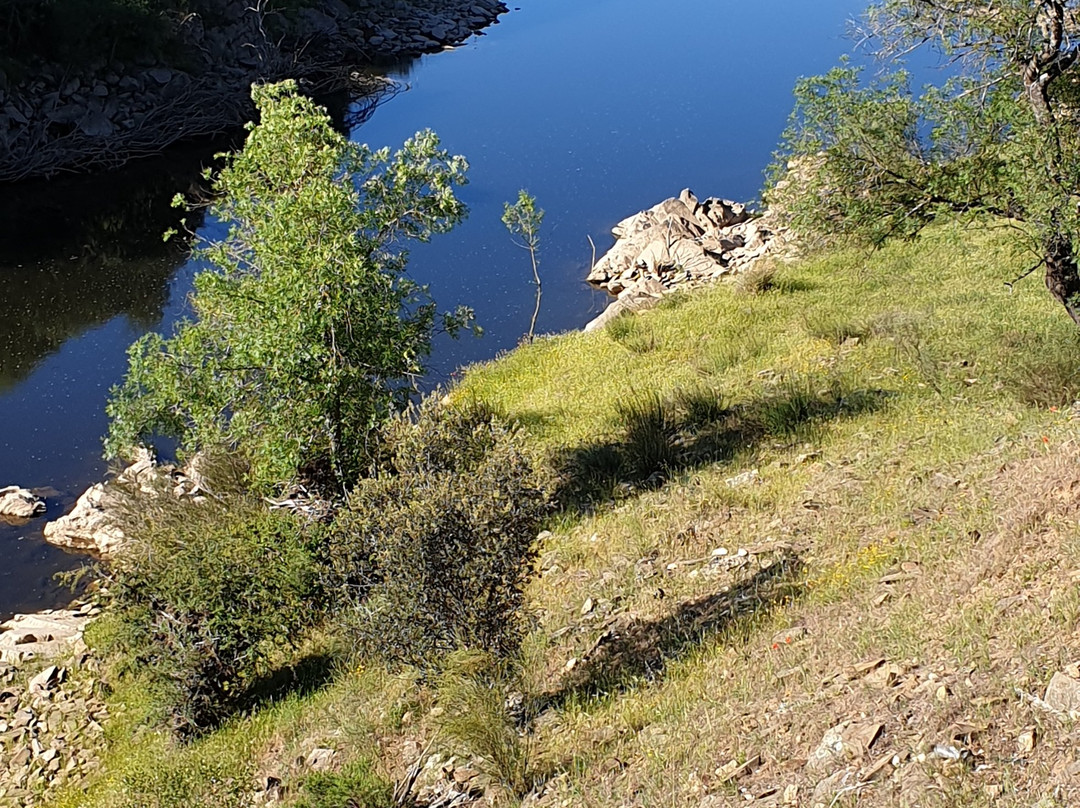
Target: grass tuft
column 649, row 436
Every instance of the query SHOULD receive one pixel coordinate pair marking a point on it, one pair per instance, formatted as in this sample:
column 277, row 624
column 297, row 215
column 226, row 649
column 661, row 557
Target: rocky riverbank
column 99, row 117
column 51, row 710
column 681, row 243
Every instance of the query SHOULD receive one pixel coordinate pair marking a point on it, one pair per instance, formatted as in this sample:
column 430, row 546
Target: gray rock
column 639, row 296
column 47, row 681
column 1063, row 694
column 42, row 635
column 69, row 113
column 313, row 22
column 90, row 527
column 96, row 124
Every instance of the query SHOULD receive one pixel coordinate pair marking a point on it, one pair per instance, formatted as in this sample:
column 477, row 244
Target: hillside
column 815, row 550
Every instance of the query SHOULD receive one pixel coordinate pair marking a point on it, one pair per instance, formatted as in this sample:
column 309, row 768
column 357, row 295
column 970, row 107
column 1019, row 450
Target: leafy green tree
column 523, row 219
column 998, row 137
column 307, row 333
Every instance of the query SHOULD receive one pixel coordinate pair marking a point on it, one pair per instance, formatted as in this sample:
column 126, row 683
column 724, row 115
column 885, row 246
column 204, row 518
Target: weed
column 760, row 278
column 833, row 328
column 649, row 432
column 474, row 691
column 1045, row 375
column 355, row 785
column 633, row 333
column 700, row 406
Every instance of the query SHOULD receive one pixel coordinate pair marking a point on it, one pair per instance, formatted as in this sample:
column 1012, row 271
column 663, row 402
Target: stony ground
column 51, row 729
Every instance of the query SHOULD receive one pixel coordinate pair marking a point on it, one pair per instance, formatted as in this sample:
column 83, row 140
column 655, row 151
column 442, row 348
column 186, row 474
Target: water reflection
column 76, row 253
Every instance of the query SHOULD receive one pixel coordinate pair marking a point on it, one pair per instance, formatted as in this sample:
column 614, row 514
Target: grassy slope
column 883, row 400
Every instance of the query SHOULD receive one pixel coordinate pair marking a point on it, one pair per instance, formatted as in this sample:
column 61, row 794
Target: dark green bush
column 438, row 548
column 205, row 594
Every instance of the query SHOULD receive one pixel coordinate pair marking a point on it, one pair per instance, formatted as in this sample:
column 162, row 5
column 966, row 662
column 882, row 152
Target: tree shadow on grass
column 632, row 649
column 693, row 429
column 301, row 678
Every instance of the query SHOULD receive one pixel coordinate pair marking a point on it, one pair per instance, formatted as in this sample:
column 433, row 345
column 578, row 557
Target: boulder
column 640, row 296
column 682, row 242
column 42, row 635
column 90, row 527
column 18, row 503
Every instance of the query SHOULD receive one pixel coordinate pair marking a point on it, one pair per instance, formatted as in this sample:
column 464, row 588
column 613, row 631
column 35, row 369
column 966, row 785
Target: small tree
column 308, row 331
column 523, row 219
column 999, row 137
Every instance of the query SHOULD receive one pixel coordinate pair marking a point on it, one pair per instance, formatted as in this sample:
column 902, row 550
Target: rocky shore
column 111, row 111
column 681, row 243
column 51, row 710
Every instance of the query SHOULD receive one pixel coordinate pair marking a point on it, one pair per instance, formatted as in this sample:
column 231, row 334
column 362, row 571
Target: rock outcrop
column 43, row 635
column 677, row 244
column 19, row 503
column 92, row 527
column 62, row 119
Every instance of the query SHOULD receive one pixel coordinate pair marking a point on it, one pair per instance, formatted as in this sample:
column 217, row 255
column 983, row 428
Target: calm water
column 598, row 107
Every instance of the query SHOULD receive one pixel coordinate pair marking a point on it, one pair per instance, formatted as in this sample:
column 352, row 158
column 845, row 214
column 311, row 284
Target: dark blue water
column 598, row 107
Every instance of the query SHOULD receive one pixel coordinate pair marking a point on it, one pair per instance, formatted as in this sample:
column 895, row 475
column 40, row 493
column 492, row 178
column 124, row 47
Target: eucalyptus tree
column 998, row 135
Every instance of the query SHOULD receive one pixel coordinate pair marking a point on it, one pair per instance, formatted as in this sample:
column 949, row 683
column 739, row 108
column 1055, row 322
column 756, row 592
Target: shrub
column 443, row 537
column 205, row 593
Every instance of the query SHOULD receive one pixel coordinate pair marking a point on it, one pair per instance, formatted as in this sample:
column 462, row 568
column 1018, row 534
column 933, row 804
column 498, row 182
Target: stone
column 47, row 681
column 320, row 759
column 1063, row 694
column 43, row 635
column 640, row 296
column 844, row 742
column 88, row 527
column 96, row 124
column 20, row 503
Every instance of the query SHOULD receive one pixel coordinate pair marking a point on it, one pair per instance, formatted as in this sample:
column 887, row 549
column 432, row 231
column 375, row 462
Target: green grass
column 932, row 447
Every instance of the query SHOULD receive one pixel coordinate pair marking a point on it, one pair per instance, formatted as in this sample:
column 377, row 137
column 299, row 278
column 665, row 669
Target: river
column 597, row 107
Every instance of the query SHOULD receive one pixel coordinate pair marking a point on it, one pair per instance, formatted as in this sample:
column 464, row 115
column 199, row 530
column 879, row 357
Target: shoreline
column 110, row 113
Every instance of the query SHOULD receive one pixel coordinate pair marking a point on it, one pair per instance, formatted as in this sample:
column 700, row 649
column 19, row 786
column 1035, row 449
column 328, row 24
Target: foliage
column 997, row 137
column 523, row 219
column 308, row 332
column 355, row 785
column 447, row 533
column 205, row 594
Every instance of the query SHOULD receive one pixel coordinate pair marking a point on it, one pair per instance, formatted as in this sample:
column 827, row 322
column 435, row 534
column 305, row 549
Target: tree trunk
column 1063, row 276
